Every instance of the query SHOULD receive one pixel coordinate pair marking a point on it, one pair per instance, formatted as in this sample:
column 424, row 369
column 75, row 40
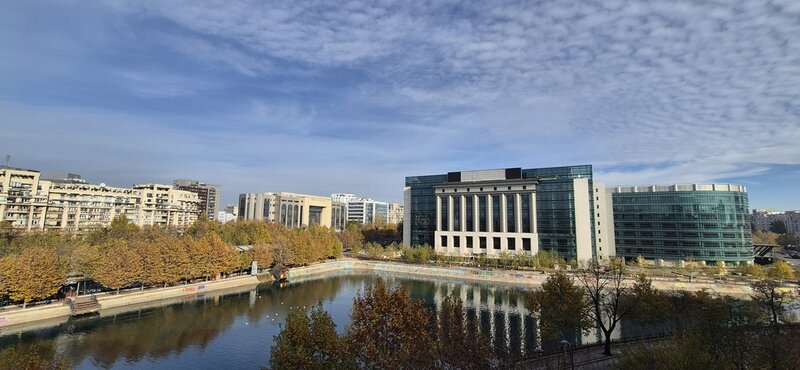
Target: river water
column 236, row 329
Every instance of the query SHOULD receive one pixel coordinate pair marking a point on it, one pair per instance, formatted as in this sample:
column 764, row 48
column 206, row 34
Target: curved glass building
column 677, row 222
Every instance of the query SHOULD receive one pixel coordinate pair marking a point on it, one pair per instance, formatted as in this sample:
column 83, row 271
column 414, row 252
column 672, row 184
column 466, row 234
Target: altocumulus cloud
column 374, row 90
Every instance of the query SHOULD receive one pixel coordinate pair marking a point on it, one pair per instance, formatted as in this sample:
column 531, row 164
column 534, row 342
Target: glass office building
column 678, row 222
column 478, row 211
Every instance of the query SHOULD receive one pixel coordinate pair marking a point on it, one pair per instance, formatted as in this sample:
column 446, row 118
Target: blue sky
column 354, row 96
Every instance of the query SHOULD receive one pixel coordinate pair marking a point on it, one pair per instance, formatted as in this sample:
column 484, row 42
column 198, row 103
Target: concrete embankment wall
column 524, row 278
column 57, row 313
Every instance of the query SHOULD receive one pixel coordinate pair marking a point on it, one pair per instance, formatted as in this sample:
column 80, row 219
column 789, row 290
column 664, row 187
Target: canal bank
column 110, row 302
column 56, row 313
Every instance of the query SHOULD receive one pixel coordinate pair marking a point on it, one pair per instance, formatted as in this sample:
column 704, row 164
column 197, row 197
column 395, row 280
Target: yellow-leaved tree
column 32, row 274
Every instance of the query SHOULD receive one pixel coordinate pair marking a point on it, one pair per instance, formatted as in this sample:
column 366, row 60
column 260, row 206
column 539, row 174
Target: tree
column 309, row 342
column 787, row 239
column 655, row 303
column 461, row 345
column 119, row 266
column 767, row 294
column 781, row 271
column 264, row 255
column 390, row 330
column 559, row 305
column 352, row 237
column 605, row 288
column 719, row 268
column 777, row 226
column 765, row 237
column 752, row 270
column 35, row 273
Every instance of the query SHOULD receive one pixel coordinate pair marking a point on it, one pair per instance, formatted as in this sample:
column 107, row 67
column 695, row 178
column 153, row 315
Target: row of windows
column 511, row 243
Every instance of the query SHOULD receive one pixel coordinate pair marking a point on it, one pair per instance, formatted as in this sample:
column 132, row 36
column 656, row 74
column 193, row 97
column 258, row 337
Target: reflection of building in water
column 502, row 313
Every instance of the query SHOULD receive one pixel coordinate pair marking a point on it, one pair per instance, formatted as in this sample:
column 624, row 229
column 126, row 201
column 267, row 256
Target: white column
column 476, row 224
column 438, row 213
column 518, row 212
column 532, row 210
column 503, row 215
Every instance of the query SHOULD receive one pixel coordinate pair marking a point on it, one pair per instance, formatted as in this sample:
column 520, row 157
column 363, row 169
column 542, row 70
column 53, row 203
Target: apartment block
column 208, row 195
column 70, row 204
column 762, row 220
column 161, row 205
column 395, row 213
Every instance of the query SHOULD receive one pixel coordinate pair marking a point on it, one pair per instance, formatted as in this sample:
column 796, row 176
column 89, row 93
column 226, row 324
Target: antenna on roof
column 8, row 159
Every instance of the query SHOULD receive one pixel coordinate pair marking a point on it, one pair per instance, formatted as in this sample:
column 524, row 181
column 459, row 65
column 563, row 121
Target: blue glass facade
column 554, row 201
column 705, row 225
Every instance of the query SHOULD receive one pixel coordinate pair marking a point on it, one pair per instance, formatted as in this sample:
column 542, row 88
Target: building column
column 438, row 214
column 533, row 211
column 503, row 213
column 476, row 223
column 463, row 215
column 518, row 212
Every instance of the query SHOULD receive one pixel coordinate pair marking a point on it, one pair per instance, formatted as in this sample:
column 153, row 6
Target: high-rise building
column 707, row 223
column 288, row 209
column 70, row 204
column 209, row 195
column 511, row 210
column 162, row 205
column 363, row 210
column 762, row 220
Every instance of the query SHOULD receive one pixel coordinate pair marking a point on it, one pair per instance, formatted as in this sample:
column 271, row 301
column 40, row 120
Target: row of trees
column 599, row 296
column 34, row 266
column 782, row 238
column 389, row 330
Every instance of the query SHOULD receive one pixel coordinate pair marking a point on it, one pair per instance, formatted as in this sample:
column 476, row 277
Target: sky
column 326, row 97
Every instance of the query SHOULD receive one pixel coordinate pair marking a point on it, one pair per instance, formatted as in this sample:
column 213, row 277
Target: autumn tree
column 390, row 330
column 787, row 239
column 35, row 273
column 352, row 237
column 780, row 271
column 768, row 295
column 460, row 343
column 263, row 254
column 119, row 266
column 765, row 237
column 309, row 341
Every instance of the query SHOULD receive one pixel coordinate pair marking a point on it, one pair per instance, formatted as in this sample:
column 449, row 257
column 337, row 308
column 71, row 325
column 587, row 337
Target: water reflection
column 236, row 329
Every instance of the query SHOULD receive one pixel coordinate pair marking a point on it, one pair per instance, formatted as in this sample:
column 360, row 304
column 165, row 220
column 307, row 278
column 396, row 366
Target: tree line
column 34, row 266
column 388, row 330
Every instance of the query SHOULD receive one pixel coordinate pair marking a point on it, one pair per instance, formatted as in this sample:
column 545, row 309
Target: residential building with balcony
column 208, row 195
column 161, row 205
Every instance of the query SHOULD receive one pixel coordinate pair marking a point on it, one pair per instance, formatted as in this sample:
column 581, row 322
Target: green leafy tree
column 559, row 305
column 787, row 239
column 777, row 226
column 309, row 342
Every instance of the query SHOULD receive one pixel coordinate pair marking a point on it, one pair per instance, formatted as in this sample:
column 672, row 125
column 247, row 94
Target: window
column 482, row 240
column 456, row 242
column 496, row 241
column 526, row 244
column 512, row 244
column 444, row 240
column 469, row 242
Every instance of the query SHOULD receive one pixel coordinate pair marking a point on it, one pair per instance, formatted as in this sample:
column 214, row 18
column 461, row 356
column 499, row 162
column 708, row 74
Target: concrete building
column 70, row 204
column 162, row 205
column 288, row 209
column 209, row 195
column 78, row 207
column 363, row 210
column 338, row 216
column 511, row 210
column 762, row 220
column 704, row 222
column 395, row 213
column 225, row 217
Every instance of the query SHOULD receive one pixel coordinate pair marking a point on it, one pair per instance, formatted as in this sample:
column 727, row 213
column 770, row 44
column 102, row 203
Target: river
column 235, row 330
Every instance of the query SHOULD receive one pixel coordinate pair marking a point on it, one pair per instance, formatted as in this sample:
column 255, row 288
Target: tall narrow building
column 208, row 195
